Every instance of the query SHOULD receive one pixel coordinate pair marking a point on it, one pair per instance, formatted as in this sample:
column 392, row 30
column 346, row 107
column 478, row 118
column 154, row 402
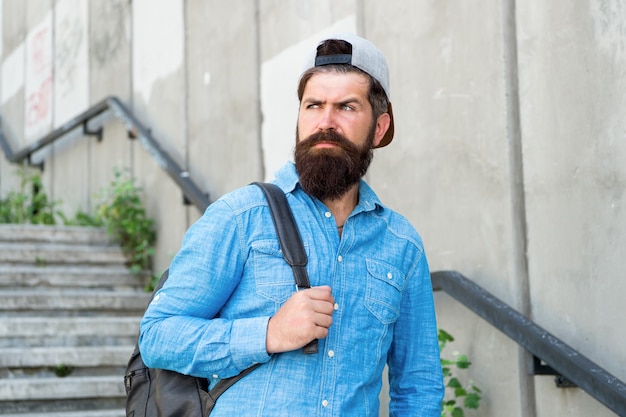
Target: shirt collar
column 287, row 179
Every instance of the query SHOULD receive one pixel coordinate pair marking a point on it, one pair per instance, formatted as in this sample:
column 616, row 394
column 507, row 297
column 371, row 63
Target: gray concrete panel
column 110, row 75
column 448, row 170
column 223, row 99
column 12, row 92
column 38, row 88
column 158, row 59
column 70, row 156
column 283, row 24
column 109, row 38
column 70, row 98
column 39, row 69
column 12, row 87
column 572, row 60
column 13, row 20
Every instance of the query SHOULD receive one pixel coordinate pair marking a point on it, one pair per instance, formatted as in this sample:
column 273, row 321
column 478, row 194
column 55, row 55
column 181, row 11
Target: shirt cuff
column 247, row 342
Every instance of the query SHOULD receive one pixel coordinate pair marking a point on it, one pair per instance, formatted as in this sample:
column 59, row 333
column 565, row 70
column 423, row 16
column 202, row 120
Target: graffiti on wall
column 38, row 83
column 108, row 41
column 71, row 61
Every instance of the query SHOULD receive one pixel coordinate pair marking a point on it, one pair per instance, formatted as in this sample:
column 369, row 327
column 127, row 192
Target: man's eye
column 347, row 107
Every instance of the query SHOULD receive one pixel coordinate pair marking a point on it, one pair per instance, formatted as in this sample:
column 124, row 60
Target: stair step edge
column 82, row 413
column 72, row 326
column 53, row 233
column 82, row 356
column 61, row 388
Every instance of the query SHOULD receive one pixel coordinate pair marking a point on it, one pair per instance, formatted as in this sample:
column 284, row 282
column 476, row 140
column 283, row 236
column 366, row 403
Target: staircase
column 69, row 317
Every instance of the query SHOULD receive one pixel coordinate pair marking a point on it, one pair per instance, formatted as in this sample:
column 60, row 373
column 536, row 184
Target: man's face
column 335, row 135
column 337, row 101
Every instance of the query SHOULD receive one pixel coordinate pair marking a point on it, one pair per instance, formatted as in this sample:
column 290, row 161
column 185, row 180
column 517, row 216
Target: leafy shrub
column 29, row 204
column 455, row 391
column 125, row 218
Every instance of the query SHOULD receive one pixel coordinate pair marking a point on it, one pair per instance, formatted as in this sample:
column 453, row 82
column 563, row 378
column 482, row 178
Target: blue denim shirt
column 229, row 277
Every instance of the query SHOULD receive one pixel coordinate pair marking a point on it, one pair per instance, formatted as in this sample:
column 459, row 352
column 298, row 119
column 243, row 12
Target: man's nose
column 327, row 120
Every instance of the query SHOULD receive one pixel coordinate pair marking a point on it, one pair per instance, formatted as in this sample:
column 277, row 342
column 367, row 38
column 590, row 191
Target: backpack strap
column 288, row 233
column 290, row 240
column 294, row 254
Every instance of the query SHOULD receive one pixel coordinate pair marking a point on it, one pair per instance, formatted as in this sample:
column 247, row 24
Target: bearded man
column 230, row 300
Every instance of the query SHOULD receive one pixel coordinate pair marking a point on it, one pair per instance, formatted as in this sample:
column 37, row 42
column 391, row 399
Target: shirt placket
column 331, row 353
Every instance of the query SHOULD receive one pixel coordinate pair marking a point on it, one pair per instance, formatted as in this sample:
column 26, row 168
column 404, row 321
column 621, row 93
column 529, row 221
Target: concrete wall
column 508, row 155
column 572, row 84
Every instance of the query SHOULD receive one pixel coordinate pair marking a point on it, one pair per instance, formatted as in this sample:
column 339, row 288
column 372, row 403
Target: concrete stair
column 69, row 317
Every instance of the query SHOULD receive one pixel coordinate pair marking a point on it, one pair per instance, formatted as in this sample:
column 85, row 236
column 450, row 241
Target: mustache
column 327, row 136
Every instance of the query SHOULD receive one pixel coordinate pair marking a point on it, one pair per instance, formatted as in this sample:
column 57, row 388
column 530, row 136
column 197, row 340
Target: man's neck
column 344, row 205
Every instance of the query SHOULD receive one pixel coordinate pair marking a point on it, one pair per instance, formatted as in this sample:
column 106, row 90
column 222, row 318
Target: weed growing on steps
column 120, row 210
column 28, row 204
column 125, row 218
column 62, row 370
column 458, row 397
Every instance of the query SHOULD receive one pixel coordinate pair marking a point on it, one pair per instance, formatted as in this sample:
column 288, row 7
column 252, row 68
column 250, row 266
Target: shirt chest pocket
column 383, row 294
column 272, row 275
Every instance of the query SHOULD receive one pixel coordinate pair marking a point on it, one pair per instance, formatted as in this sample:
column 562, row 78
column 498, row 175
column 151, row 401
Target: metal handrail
column 191, row 191
column 563, row 359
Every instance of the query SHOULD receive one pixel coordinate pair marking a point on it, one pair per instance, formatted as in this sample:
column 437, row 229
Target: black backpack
column 158, row 392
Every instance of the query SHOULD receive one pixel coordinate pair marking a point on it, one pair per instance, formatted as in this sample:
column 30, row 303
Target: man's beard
column 328, row 173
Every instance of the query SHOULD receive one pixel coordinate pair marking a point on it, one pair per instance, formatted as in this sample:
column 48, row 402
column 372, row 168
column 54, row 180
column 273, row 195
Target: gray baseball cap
column 366, row 57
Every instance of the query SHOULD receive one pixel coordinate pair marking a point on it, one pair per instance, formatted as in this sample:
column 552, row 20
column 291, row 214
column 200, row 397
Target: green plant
column 120, row 210
column 455, row 391
column 152, row 282
column 125, row 218
column 62, row 370
column 29, row 204
column 83, row 219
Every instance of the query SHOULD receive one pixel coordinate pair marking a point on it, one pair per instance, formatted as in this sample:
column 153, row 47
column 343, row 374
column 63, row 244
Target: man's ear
column 382, row 125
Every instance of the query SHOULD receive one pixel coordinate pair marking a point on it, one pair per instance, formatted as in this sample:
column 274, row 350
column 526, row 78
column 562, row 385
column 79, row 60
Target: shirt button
column 215, row 376
column 325, row 403
column 336, row 306
column 327, row 214
column 331, row 353
column 389, row 275
column 339, row 258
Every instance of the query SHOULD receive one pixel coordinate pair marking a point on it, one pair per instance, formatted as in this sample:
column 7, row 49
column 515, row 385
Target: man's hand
column 305, row 316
